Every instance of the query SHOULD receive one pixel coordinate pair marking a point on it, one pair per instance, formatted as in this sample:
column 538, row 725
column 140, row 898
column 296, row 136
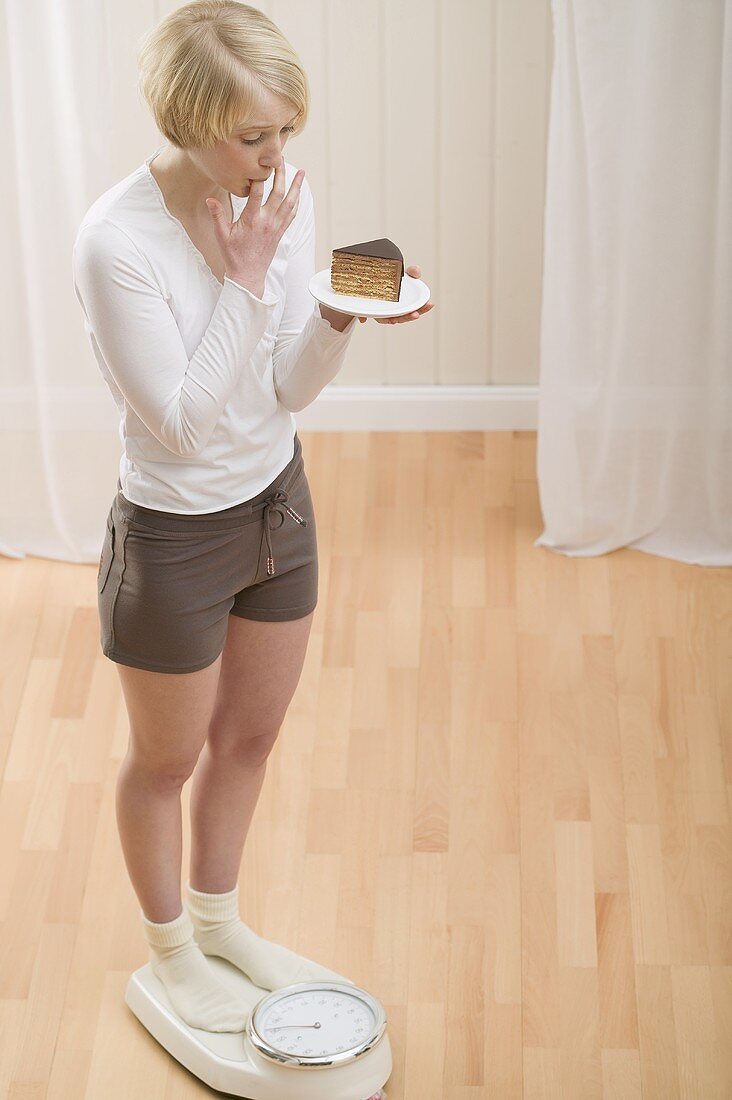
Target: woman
column 193, row 273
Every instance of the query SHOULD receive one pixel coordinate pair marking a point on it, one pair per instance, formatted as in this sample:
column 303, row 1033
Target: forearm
column 338, row 320
column 305, row 364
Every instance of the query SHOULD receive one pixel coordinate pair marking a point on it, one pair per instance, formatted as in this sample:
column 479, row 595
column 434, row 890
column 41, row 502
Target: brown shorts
column 167, row 582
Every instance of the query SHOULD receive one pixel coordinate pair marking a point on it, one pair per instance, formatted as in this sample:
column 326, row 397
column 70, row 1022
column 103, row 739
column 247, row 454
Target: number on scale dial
column 318, row 1022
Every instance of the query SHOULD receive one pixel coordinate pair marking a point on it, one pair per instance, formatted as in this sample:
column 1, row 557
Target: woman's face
column 252, row 151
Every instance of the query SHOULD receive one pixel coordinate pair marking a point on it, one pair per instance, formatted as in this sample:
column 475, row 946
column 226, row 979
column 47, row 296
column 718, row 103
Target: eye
column 260, row 139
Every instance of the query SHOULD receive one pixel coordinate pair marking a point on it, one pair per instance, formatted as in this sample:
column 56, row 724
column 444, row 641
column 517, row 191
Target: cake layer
column 371, row 269
column 364, row 278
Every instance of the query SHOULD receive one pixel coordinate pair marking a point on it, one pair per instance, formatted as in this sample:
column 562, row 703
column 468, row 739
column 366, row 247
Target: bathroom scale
column 302, row 1042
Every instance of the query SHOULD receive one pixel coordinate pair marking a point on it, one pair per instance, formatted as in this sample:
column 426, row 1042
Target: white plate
column 414, row 293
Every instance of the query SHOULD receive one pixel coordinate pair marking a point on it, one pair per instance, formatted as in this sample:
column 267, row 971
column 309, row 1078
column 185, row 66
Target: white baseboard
column 422, row 409
column 336, row 409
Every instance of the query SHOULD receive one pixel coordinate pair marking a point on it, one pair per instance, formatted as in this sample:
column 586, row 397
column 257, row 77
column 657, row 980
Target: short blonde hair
column 202, row 67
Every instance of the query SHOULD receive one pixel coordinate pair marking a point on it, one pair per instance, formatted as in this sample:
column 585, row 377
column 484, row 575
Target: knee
column 247, row 750
column 160, row 774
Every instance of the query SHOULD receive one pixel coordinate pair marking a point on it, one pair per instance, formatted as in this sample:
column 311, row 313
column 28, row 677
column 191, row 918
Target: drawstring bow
column 272, row 505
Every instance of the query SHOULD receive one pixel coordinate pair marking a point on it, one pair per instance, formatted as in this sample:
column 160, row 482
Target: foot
column 197, row 995
column 219, row 931
column 269, row 965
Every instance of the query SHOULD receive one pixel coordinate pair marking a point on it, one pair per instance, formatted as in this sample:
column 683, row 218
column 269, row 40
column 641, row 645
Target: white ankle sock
column 196, row 994
column 219, row 931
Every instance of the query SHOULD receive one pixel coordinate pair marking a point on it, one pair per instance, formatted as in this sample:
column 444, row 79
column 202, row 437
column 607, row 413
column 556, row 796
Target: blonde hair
column 202, row 68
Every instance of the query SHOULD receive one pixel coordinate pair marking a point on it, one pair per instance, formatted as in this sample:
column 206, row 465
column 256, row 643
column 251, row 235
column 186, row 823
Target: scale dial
column 316, row 1024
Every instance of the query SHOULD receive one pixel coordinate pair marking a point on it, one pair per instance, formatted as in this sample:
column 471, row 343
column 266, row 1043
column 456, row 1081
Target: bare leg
column 261, row 667
column 224, row 793
column 149, row 824
column 169, row 718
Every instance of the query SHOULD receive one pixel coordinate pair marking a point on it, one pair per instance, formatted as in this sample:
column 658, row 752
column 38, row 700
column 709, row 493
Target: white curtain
column 59, row 443
column 635, row 398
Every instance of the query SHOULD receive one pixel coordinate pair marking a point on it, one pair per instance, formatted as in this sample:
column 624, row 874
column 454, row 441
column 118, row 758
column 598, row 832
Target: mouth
column 248, row 183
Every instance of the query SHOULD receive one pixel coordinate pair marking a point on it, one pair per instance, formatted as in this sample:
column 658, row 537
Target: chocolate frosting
column 383, row 248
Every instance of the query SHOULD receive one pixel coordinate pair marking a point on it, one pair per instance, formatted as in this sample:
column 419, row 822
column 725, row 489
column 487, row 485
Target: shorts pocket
column 106, row 557
column 162, row 532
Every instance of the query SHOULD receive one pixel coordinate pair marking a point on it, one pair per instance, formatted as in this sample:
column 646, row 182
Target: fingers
column 278, row 187
column 256, row 190
column 219, row 219
column 291, row 201
column 278, row 184
column 295, row 187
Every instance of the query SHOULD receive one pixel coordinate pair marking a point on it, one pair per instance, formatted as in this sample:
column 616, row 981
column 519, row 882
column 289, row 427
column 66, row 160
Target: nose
column 276, row 158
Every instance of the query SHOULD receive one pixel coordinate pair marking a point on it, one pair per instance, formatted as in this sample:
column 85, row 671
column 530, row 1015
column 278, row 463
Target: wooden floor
column 499, row 801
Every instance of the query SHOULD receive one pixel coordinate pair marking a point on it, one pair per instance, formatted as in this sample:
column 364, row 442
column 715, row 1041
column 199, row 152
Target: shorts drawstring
column 272, row 503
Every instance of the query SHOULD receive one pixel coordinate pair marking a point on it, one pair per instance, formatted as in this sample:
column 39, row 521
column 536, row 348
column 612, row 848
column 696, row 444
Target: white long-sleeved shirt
column 206, row 376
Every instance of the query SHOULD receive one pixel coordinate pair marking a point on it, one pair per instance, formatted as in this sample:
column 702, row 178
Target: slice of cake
column 372, row 269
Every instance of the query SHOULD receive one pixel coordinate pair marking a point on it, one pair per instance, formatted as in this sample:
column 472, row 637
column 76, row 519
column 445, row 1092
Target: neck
column 185, row 187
